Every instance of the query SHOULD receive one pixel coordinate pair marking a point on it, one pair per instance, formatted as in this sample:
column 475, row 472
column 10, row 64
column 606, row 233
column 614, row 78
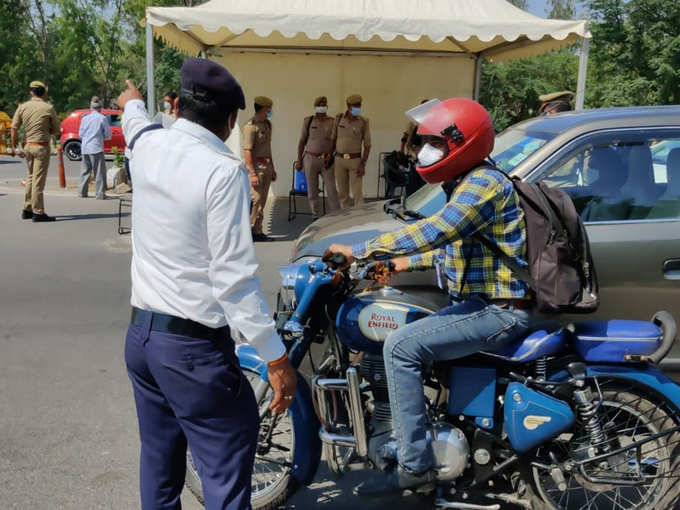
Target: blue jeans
column 456, row 331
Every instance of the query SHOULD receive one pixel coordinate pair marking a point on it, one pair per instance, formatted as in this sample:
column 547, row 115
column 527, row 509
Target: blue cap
column 204, row 78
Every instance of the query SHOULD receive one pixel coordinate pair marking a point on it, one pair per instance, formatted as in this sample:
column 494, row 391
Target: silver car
column 621, row 166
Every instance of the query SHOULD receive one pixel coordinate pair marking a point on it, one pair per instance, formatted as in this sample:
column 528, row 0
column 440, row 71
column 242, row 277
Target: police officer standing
column 40, row 122
column 314, row 152
column 351, row 132
column 257, row 151
column 194, row 283
column 555, row 102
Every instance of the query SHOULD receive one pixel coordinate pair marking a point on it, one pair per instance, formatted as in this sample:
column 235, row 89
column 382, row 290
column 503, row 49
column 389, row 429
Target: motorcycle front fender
column 307, row 454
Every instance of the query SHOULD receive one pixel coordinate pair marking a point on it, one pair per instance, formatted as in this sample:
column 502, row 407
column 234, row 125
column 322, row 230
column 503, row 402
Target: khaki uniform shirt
column 350, row 133
column 320, row 139
column 257, row 137
column 410, row 131
column 38, row 118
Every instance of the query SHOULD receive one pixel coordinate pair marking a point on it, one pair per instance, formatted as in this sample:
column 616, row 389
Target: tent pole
column 150, row 99
column 582, row 73
column 479, row 60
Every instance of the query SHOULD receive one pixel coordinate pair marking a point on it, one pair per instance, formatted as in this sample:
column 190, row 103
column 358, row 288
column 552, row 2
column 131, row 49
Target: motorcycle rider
column 490, row 306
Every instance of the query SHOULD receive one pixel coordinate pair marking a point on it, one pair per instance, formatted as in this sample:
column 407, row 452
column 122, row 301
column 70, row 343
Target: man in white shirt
column 193, row 281
column 94, row 129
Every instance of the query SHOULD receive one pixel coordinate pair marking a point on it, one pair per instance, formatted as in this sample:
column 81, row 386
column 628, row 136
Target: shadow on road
column 280, row 229
column 75, row 217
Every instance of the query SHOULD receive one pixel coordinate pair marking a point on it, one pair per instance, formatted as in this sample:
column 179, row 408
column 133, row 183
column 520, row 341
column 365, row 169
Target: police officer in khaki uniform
column 351, row 132
column 40, row 122
column 555, row 102
column 314, row 151
column 257, row 151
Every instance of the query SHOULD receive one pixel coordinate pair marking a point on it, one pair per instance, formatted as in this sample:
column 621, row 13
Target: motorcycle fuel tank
column 365, row 320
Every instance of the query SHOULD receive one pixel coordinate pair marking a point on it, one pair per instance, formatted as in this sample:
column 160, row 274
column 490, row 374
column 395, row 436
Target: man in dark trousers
column 194, row 285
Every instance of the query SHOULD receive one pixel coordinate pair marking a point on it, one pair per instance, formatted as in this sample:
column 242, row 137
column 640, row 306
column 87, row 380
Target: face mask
column 429, row 155
column 355, row 110
column 270, row 113
column 166, row 106
column 321, row 109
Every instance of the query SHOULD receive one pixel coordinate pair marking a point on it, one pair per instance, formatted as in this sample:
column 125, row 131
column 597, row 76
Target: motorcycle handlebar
column 334, row 260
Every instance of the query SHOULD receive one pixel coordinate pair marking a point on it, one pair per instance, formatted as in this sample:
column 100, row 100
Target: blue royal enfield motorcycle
column 569, row 418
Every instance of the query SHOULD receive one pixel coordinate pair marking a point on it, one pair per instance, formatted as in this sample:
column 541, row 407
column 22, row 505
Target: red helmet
column 465, row 134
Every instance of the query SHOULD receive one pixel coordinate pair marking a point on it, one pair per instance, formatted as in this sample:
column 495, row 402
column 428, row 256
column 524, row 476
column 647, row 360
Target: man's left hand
column 342, row 249
column 274, row 175
column 361, row 169
column 128, row 94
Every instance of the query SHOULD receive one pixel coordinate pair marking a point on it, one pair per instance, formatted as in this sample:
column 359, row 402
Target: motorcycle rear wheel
column 626, row 416
column 272, row 482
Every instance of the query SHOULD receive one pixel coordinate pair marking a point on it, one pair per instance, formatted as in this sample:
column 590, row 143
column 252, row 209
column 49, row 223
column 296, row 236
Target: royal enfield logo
column 532, row 422
column 378, row 320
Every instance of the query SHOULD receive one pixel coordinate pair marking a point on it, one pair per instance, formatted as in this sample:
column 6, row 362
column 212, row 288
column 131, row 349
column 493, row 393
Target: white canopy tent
column 392, row 52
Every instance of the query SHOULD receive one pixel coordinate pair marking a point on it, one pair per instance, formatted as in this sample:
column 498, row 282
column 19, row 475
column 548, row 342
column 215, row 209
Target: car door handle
column 671, row 269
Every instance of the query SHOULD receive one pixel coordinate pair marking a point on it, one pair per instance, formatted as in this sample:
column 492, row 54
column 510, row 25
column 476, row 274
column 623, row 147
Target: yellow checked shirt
column 484, row 202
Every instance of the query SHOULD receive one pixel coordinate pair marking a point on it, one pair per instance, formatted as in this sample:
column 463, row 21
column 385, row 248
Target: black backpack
column 561, row 271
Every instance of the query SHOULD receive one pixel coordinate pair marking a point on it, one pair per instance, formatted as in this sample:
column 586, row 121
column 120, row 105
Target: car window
column 114, row 120
column 622, row 177
column 427, row 200
column 514, row 145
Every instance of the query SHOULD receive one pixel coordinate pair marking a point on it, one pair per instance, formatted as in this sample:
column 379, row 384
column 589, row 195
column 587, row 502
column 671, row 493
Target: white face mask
column 321, row 109
column 166, row 106
column 429, row 155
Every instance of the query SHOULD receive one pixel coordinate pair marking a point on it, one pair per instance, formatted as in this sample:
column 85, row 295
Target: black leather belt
column 163, row 323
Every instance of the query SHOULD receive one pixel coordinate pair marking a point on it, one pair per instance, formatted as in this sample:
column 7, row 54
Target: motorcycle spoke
column 274, row 461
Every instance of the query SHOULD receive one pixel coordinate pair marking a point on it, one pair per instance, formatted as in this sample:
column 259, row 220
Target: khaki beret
column 37, row 83
column 263, row 101
column 555, row 95
column 320, row 99
column 354, row 99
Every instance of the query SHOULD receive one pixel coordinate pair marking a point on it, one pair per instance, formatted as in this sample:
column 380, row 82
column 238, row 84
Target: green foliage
column 562, row 9
column 510, row 89
column 79, row 48
column 634, row 60
column 522, row 4
column 635, row 55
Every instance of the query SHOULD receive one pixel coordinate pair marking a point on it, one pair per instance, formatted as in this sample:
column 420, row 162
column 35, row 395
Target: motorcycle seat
column 613, row 340
column 539, row 343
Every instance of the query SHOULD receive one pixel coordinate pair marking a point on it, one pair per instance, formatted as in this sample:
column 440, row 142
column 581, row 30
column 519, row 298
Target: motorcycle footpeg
column 443, row 503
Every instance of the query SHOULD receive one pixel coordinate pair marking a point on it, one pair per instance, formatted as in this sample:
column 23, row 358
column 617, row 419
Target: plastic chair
column 298, row 190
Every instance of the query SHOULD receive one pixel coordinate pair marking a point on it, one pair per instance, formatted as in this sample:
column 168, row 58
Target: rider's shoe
column 396, row 480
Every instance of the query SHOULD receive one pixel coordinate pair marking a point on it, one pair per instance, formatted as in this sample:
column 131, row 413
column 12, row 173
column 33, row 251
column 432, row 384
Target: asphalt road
column 68, row 432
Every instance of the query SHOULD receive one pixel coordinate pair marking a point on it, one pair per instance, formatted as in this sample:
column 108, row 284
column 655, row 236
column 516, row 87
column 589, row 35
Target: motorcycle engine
column 451, row 451
column 449, row 444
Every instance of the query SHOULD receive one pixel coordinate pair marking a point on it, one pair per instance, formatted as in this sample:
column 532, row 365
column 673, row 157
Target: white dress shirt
column 192, row 249
column 94, row 129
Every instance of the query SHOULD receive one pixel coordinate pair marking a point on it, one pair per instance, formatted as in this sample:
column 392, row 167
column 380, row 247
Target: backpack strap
column 145, row 129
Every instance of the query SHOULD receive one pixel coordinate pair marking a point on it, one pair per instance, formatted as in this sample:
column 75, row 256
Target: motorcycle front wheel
column 649, row 474
column 272, row 483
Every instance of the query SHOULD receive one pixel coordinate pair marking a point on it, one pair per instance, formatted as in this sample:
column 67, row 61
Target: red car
column 70, row 142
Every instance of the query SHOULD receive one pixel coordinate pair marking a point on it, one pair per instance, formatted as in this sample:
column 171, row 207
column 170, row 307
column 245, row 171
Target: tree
column 562, row 9
column 635, row 53
column 510, row 90
column 522, row 4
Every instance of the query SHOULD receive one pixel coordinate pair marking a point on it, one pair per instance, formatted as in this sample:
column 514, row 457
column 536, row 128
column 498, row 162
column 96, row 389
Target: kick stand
column 440, row 502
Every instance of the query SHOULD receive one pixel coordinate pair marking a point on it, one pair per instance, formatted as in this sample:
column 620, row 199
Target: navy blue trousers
column 187, row 390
